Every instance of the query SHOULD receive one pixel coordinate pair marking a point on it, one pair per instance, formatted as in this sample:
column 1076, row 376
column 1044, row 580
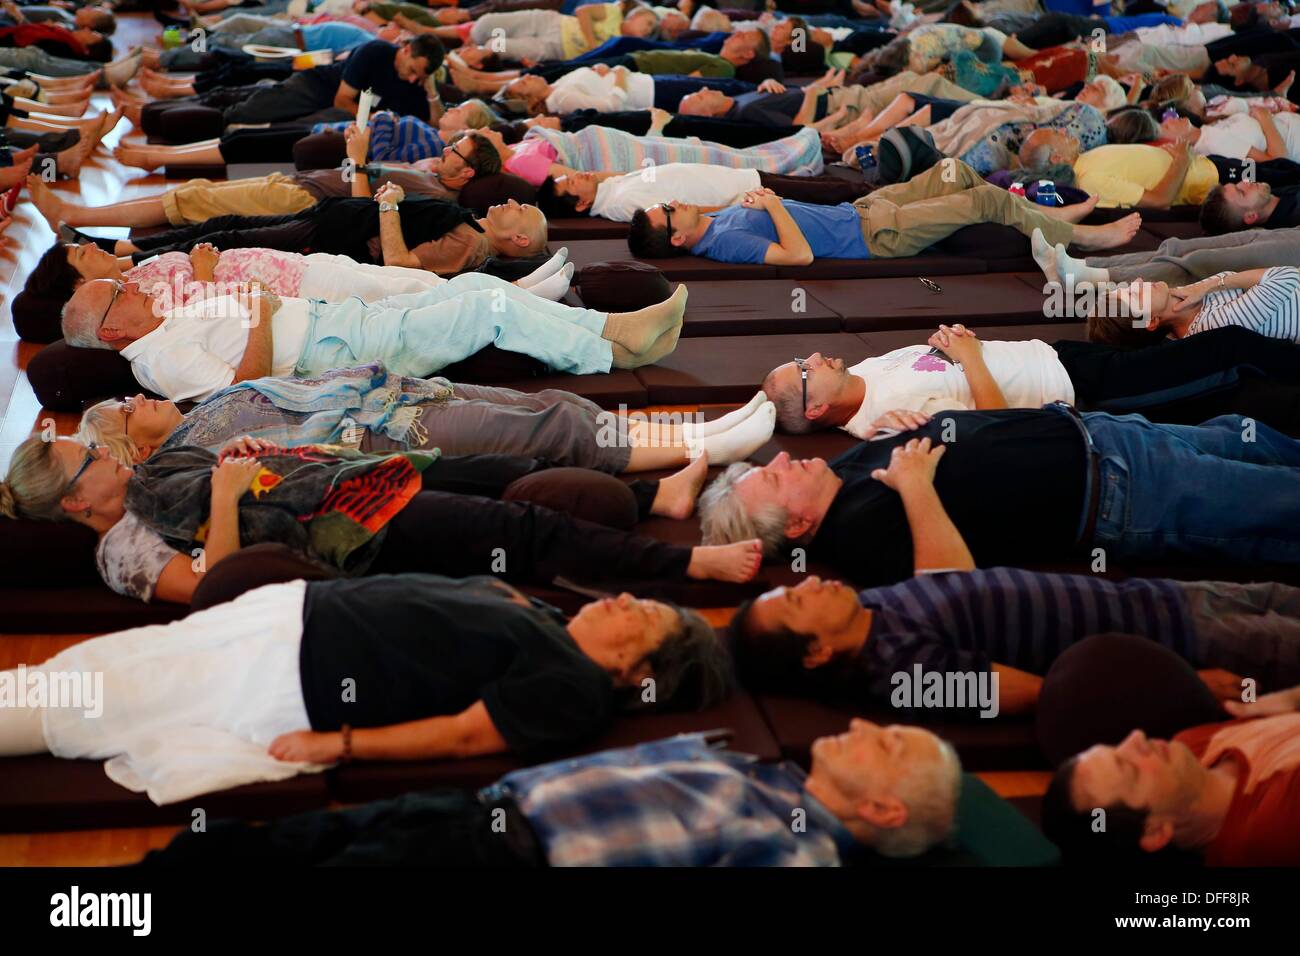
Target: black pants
column 307, row 96
column 1122, row 381
column 239, row 69
column 1275, row 172
column 637, row 122
column 555, row 69
column 1058, row 29
column 295, row 232
column 274, row 144
column 445, row 828
column 1252, row 43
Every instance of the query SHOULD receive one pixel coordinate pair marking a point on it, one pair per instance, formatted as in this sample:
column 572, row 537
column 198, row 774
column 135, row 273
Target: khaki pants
column 903, row 219
column 879, row 95
column 201, row 199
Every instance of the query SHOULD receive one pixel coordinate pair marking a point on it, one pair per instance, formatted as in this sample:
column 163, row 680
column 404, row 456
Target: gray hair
column 930, row 795
column 790, row 416
column 724, row 520
column 80, row 326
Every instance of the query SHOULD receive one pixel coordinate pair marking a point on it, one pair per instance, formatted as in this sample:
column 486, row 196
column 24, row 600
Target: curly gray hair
column 725, row 520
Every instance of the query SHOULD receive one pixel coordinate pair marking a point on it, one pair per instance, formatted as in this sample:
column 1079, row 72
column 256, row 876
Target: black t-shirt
column 370, row 67
column 1287, row 212
column 419, row 645
column 1013, row 481
column 770, row 109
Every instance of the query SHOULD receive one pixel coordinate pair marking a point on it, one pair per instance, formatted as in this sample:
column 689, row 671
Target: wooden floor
column 104, row 181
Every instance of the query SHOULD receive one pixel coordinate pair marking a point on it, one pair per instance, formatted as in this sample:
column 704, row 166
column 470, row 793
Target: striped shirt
column 674, row 802
column 1271, row 308
column 965, row 621
column 400, row 139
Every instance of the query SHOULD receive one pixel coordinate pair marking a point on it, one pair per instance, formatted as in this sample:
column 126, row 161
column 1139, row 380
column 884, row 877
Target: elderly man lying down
column 249, row 690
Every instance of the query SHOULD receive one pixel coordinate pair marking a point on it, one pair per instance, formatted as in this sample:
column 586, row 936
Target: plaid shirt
column 674, row 802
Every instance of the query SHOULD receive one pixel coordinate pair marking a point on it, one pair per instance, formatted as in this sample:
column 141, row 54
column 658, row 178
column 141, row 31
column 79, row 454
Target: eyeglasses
column 118, row 288
column 127, row 407
column 89, row 460
column 802, row 365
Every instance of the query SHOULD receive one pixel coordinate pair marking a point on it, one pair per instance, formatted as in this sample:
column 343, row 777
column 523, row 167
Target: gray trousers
column 559, row 426
column 521, row 34
column 1249, row 629
column 1182, row 260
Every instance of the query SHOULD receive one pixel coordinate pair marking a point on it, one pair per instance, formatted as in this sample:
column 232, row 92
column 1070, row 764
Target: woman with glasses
column 163, row 524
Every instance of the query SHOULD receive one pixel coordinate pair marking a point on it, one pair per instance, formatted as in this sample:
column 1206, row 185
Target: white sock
column 727, row 421
column 545, row 270
column 1077, row 269
column 554, row 287
column 1043, row 254
column 738, row 443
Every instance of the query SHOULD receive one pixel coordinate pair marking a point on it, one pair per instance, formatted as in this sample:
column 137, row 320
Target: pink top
column 532, row 160
column 351, row 18
column 172, row 273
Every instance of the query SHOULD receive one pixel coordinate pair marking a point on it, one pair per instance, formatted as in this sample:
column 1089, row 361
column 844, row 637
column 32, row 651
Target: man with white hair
column 677, row 802
column 191, row 351
column 1132, row 488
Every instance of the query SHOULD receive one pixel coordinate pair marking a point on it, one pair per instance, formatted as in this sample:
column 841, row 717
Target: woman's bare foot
column 130, row 108
column 150, row 58
column 1071, row 213
column 677, row 493
column 107, row 123
column 638, row 331
column 1109, row 236
column 160, row 87
column 737, row 562
column 46, row 201
column 22, row 155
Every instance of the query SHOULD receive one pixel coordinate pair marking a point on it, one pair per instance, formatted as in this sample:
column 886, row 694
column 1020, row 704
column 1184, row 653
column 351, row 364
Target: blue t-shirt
column 738, row 234
column 334, row 36
column 1118, row 25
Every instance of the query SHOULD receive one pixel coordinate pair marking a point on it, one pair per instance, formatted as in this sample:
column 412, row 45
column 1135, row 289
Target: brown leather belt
column 1093, row 490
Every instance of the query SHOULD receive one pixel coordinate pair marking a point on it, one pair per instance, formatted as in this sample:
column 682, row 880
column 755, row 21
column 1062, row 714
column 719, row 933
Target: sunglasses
column 802, row 365
column 668, row 217
column 127, row 407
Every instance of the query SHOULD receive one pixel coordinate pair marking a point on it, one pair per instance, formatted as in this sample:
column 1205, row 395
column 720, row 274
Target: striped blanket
column 601, row 149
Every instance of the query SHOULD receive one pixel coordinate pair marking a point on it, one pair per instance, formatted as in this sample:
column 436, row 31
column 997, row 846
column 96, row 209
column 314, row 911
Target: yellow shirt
column 575, row 44
column 1121, row 172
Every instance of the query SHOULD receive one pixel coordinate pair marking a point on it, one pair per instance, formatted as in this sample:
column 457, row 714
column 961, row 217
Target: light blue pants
column 423, row 332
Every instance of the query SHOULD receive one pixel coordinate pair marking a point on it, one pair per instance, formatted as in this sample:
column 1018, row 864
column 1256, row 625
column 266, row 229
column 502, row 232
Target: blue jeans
column 1199, row 491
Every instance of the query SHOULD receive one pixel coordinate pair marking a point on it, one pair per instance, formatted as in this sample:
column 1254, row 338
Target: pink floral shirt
column 171, row 275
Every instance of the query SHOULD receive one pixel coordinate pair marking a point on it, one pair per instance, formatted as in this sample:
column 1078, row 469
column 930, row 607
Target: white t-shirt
column 585, row 89
column 1186, row 34
column 1232, row 136
column 695, row 183
column 196, row 349
column 131, row 557
column 1029, row 374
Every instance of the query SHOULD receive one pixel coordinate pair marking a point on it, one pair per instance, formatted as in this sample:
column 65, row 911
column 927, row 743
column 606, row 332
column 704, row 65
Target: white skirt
column 337, row 278
column 190, row 707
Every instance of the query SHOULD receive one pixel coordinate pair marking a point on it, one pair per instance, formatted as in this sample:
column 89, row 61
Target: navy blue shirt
column 738, row 234
column 370, row 67
column 965, row 621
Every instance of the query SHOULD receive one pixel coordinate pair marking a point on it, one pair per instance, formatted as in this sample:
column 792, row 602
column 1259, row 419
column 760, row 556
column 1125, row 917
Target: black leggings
column 1058, row 29
column 1182, row 381
column 292, row 233
column 274, row 144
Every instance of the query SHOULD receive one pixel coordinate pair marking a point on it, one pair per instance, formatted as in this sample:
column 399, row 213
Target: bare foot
column 5, row 224
column 1108, row 236
column 22, row 155
column 150, row 58
column 137, row 157
column 737, row 562
column 677, row 493
column 107, row 123
column 69, row 161
column 1071, row 213
column 11, row 176
column 47, row 203
column 131, row 109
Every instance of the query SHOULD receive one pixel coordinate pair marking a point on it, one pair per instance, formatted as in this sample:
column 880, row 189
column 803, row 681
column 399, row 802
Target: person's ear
column 73, row 505
column 817, row 655
column 142, row 452
column 521, row 240
column 678, row 240
column 1156, row 834
column 796, row 526
column 746, row 57
column 1250, row 218
column 888, row 813
column 1153, row 323
column 814, row 412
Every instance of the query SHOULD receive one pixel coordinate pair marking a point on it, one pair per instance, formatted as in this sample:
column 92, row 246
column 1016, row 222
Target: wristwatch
column 388, row 207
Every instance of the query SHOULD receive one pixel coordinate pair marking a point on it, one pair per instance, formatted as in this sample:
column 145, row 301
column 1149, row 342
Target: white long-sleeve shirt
column 585, row 89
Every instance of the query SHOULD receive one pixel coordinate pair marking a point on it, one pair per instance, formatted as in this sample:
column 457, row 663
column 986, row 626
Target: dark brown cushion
column 907, row 303
column 36, row 318
column 320, row 151
column 622, row 286
column 253, row 567
column 39, row 554
column 479, row 194
column 580, row 492
column 79, row 609
column 66, row 378
column 1100, row 690
column 759, row 307
column 491, row 366
column 986, row 240
column 585, row 227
